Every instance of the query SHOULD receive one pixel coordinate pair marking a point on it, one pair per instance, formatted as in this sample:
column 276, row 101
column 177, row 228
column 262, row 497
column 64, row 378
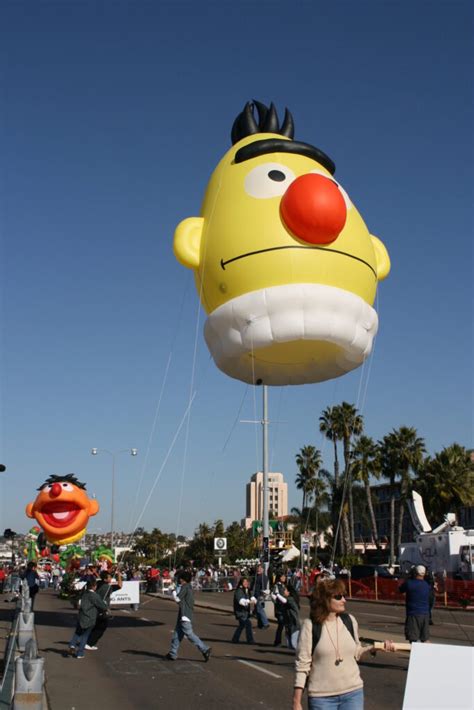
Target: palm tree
column 401, row 452
column 366, row 464
column 308, row 461
column 348, row 424
column 328, row 425
column 410, row 450
column 446, row 482
column 321, row 497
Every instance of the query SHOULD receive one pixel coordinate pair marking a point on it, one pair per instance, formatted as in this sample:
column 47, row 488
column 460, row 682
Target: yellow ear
column 382, row 258
column 187, row 241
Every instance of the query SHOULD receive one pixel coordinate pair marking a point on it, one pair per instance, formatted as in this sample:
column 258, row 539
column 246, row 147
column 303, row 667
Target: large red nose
column 55, row 490
column 313, row 208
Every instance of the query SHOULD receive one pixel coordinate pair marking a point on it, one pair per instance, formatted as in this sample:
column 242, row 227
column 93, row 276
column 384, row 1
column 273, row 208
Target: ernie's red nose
column 314, row 209
column 55, row 490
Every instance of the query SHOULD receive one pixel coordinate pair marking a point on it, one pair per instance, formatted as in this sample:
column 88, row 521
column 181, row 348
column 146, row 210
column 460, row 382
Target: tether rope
column 347, row 472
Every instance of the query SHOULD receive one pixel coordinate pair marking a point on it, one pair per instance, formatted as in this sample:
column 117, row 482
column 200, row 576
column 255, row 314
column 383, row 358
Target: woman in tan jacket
column 328, row 651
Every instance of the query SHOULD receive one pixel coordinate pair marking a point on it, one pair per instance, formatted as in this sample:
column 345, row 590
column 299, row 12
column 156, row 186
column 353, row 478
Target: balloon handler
column 91, row 606
column 184, row 596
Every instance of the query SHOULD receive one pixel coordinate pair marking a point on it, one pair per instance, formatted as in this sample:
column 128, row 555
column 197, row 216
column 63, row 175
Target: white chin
column 291, row 335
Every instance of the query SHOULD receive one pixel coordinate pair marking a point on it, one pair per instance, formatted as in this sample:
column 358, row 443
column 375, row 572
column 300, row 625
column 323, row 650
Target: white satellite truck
column 448, row 549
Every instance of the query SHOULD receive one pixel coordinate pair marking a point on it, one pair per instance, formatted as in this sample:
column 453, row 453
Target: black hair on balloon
column 246, row 124
column 67, row 478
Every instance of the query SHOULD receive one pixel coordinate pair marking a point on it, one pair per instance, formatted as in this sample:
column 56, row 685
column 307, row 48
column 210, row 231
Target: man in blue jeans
column 260, row 586
column 183, row 596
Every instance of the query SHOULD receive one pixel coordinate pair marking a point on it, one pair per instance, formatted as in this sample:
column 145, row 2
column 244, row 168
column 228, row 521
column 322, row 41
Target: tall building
column 277, row 497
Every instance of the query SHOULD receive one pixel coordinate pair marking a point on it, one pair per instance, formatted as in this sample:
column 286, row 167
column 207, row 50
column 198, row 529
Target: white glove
column 175, row 595
column 253, row 599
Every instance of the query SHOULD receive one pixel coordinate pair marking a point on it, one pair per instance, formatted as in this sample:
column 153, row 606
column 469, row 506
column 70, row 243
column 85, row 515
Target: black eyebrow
column 277, row 145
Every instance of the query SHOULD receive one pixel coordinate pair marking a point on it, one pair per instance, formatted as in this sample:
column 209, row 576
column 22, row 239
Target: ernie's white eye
column 67, row 487
column 341, row 189
column 268, row 180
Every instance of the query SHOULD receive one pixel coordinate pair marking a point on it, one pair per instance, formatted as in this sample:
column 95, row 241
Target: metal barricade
column 8, row 679
column 29, row 679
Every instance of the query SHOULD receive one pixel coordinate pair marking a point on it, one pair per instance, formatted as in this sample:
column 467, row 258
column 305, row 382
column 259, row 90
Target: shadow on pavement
column 133, row 652
column 374, row 664
column 48, row 618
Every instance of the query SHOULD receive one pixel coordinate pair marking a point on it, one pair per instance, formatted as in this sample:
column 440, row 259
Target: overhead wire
column 347, row 472
column 193, row 371
column 158, row 405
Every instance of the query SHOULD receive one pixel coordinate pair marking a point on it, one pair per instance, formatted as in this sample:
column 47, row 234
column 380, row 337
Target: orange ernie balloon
column 62, row 508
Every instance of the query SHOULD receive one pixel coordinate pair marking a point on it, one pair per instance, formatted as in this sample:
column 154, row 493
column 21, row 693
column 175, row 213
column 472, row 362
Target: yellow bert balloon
column 285, row 266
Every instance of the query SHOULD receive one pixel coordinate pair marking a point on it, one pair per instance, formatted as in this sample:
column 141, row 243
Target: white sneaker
column 90, row 648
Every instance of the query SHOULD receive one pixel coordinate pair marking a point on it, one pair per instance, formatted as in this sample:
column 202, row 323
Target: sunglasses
column 338, row 597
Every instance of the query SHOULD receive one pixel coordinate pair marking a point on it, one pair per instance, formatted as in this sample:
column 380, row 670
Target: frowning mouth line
column 296, row 246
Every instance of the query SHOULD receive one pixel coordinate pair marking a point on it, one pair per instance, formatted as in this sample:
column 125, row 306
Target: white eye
column 341, row 189
column 268, row 180
column 67, row 487
column 47, row 488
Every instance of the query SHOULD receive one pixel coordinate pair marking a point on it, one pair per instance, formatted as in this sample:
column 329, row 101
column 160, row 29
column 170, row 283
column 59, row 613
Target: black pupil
column 277, row 175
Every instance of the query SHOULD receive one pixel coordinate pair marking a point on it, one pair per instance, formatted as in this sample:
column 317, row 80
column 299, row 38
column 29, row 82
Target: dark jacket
column 241, row 611
column 91, row 604
column 279, row 606
column 259, row 585
column 105, row 591
column 292, row 615
column 186, row 602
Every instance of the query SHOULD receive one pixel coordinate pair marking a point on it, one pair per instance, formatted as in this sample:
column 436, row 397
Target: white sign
column 129, row 594
column 440, row 677
column 220, row 544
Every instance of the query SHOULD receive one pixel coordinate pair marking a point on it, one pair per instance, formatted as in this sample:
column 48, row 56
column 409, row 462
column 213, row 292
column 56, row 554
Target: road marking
column 258, row 668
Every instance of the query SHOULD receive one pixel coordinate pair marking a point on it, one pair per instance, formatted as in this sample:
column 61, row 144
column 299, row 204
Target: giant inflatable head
column 62, row 508
column 284, row 264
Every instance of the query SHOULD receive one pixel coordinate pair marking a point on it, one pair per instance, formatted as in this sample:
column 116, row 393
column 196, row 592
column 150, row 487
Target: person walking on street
column 417, row 603
column 32, row 579
column 328, row 652
column 91, row 605
column 260, row 585
column 292, row 616
column 242, row 608
column 184, row 596
column 279, row 600
column 105, row 589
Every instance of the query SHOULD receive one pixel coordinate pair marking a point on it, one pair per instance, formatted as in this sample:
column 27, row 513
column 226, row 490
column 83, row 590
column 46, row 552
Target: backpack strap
column 316, row 635
column 346, row 620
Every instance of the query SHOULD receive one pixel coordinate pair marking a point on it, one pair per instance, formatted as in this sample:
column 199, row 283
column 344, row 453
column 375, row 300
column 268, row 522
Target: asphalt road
column 130, row 669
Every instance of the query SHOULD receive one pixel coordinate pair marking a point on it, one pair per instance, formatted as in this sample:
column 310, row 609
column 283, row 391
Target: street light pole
column 113, row 454
column 266, row 537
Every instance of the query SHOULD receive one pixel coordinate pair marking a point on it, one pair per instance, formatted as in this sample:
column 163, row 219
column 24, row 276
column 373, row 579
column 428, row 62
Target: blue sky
column 114, row 116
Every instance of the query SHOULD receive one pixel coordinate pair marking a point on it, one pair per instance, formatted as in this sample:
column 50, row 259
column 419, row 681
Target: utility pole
column 266, row 538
